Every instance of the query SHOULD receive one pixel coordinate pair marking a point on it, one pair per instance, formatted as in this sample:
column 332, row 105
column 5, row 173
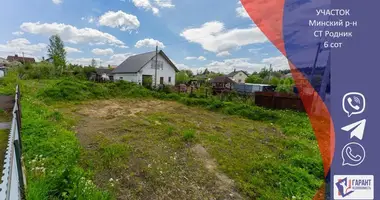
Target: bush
column 188, row 135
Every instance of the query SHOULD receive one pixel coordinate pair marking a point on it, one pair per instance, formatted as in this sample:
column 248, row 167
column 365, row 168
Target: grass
column 269, row 154
column 3, row 144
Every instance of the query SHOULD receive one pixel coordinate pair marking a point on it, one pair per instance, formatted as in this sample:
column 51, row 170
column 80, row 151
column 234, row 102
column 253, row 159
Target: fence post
column 18, row 123
column 19, row 168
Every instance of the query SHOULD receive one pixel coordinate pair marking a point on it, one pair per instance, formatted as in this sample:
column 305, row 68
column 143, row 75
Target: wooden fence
column 275, row 100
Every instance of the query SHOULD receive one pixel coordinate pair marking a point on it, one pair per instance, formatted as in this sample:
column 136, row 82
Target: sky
column 194, row 34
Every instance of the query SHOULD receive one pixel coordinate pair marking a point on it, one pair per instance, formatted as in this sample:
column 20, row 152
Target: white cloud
column 229, row 65
column 278, row 62
column 202, row 58
column 213, row 37
column 57, row 1
column 149, row 42
column 102, row 52
column 120, row 20
column 255, row 50
column 223, row 54
column 164, row 3
column 146, row 5
column 18, row 33
column 90, row 19
column 241, row 12
column 149, row 6
column 83, row 61
column 71, row 33
column 72, row 50
column 117, row 59
column 22, row 45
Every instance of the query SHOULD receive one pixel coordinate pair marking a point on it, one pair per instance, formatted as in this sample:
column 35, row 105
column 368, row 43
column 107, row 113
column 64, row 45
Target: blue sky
column 195, row 34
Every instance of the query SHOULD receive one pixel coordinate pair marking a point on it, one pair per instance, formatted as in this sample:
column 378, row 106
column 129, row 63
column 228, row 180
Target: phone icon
column 353, row 103
column 356, row 158
column 356, row 107
column 353, row 154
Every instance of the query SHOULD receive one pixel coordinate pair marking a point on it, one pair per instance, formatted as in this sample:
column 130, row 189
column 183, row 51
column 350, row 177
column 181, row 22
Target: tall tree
column 206, row 72
column 56, row 51
column 93, row 63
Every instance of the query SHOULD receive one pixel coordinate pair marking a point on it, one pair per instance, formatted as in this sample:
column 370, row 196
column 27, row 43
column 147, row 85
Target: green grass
column 3, row 144
column 277, row 160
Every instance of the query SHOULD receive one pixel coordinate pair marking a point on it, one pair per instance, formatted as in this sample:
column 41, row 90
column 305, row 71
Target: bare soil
column 140, row 144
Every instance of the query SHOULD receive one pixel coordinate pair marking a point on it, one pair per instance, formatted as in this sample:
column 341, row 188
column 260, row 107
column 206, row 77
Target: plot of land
column 151, row 149
column 4, row 132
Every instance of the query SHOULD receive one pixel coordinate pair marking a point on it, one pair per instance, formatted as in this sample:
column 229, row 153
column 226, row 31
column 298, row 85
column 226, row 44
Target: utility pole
column 270, row 72
column 23, row 57
column 155, row 70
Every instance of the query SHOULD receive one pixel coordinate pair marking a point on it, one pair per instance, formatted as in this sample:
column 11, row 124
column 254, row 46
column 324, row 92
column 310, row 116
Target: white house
column 140, row 68
column 238, row 76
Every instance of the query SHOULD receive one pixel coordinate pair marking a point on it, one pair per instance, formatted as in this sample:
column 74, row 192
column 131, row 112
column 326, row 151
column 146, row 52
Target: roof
column 101, row 70
column 20, row 59
column 135, row 63
column 235, row 72
column 258, row 84
column 222, row 79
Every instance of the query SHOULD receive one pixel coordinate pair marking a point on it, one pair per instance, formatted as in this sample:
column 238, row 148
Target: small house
column 22, row 60
column 238, row 76
column 102, row 74
column 222, row 84
column 143, row 68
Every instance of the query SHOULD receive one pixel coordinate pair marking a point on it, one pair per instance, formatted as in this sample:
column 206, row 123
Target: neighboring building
column 253, row 87
column 141, row 69
column 20, row 59
column 238, row 76
column 2, row 70
column 102, row 74
column 221, row 84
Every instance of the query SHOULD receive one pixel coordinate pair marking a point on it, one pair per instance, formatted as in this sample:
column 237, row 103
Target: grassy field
column 4, row 117
column 118, row 141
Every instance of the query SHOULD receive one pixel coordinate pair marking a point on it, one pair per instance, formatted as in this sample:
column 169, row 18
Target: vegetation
column 268, row 154
column 56, row 51
column 298, row 156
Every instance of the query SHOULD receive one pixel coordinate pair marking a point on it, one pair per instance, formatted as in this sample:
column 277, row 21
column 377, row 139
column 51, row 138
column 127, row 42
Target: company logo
column 353, row 187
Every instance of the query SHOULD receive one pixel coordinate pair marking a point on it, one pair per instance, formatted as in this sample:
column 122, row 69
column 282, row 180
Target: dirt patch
column 224, row 183
column 141, row 143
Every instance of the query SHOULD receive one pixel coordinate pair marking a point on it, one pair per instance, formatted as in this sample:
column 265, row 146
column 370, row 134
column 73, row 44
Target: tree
column 206, row 72
column 274, row 81
column 93, row 63
column 56, row 51
column 181, row 77
column 264, row 73
column 254, row 79
column 189, row 73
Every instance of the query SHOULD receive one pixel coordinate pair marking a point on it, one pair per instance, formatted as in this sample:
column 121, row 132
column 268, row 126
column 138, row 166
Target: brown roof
column 222, row 79
column 20, row 59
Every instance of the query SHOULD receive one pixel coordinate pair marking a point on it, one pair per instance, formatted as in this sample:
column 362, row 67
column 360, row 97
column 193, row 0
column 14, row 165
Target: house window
column 161, row 80
column 240, row 74
column 120, row 78
column 239, row 81
column 170, row 79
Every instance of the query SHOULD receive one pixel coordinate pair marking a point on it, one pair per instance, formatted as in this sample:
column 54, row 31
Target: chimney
column 16, row 55
column 234, row 70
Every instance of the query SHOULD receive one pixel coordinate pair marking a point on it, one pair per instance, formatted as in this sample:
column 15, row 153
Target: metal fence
column 276, row 100
column 12, row 180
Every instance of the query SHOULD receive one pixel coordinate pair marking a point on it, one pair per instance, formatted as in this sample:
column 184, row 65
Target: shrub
column 188, row 135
